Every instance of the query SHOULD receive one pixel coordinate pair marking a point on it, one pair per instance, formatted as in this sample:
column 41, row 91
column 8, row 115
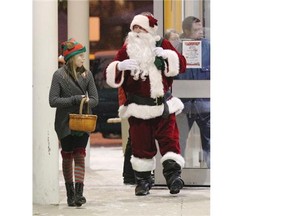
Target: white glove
column 159, row 51
column 128, row 64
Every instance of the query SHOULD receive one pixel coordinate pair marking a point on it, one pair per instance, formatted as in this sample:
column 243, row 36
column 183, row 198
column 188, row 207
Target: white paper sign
column 192, row 51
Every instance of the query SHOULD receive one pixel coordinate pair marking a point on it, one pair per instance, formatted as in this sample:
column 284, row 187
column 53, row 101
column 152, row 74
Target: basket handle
column 81, row 106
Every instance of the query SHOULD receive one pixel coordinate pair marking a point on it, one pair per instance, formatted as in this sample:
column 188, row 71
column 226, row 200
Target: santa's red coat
column 175, row 64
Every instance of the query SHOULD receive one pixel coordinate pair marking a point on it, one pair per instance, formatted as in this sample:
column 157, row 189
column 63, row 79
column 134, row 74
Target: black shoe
column 142, row 188
column 79, row 198
column 172, row 174
column 144, row 183
column 70, row 191
column 176, row 185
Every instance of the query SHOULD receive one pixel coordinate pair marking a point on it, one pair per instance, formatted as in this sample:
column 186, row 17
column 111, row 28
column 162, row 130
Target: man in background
column 195, row 109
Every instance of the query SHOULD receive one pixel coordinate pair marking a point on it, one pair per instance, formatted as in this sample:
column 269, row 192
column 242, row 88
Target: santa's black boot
column 70, row 191
column 144, row 183
column 79, row 198
column 172, row 174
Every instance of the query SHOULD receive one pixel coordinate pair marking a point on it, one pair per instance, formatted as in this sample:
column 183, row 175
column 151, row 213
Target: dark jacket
column 66, row 96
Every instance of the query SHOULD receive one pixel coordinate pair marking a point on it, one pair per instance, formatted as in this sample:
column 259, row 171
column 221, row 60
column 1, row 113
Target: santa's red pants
column 143, row 134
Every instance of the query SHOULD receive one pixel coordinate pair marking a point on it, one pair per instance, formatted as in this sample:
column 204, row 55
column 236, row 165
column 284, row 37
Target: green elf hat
column 71, row 48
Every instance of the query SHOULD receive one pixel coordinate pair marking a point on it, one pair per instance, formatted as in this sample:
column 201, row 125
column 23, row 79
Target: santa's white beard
column 140, row 47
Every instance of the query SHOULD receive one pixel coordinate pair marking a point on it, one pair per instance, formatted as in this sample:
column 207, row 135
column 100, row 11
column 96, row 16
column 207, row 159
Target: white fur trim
column 173, row 156
column 156, row 83
column 111, row 75
column 143, row 21
column 173, row 63
column 140, row 111
column 148, row 112
column 143, row 164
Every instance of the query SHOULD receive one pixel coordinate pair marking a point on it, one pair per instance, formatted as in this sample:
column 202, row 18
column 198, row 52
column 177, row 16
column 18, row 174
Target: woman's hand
column 86, row 97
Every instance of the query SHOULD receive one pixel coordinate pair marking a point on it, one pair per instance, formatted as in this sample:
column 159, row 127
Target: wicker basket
column 82, row 122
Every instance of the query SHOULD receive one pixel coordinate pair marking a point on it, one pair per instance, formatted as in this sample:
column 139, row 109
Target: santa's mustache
column 141, row 37
column 138, row 34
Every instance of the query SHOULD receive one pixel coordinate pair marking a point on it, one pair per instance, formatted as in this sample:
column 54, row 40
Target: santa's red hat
column 148, row 22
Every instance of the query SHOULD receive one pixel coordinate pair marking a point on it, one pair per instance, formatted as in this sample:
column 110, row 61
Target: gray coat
column 66, row 96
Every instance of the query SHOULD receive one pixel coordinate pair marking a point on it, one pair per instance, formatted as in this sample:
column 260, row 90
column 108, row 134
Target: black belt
column 148, row 101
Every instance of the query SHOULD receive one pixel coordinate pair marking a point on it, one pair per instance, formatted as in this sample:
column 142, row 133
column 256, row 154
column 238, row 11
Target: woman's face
column 79, row 59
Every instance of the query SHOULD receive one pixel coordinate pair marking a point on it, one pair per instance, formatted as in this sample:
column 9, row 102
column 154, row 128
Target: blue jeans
column 195, row 110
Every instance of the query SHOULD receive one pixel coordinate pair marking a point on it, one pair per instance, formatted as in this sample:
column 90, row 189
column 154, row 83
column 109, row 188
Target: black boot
column 144, row 183
column 70, row 193
column 128, row 172
column 79, row 198
column 172, row 174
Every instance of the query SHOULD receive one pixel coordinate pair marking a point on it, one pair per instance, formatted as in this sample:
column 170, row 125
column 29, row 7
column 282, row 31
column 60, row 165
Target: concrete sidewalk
column 107, row 195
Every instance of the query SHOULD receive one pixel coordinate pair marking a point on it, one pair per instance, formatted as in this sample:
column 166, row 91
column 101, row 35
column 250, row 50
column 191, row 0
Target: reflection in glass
column 196, row 113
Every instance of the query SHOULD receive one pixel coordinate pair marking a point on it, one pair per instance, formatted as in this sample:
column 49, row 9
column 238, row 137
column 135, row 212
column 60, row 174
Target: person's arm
column 182, row 60
column 55, row 99
column 176, row 63
column 115, row 70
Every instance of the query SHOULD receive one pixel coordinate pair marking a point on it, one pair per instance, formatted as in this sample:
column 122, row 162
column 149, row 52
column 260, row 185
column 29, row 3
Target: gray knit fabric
column 66, row 96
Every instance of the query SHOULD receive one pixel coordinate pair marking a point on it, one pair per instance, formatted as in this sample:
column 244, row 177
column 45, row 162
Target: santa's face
column 138, row 29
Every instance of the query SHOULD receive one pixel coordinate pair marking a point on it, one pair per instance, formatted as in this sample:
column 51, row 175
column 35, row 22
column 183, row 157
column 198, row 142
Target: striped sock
column 67, row 166
column 79, row 171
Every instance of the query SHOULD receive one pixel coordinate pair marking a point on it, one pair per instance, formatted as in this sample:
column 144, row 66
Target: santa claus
column 144, row 68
